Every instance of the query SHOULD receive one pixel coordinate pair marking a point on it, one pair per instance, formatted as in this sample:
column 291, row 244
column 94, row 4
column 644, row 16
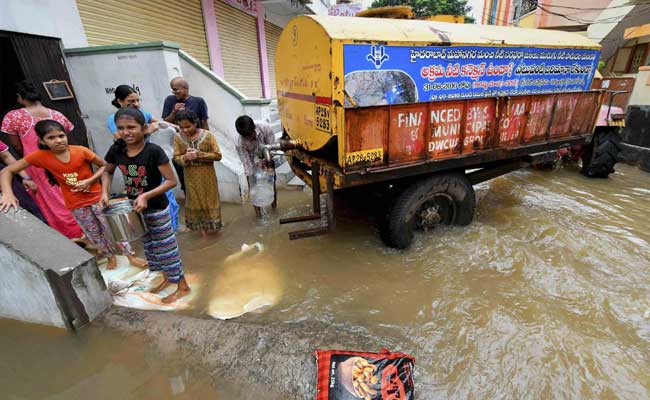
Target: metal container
column 124, row 224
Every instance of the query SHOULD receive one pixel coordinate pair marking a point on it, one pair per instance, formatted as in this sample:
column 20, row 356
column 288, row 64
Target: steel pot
column 124, row 224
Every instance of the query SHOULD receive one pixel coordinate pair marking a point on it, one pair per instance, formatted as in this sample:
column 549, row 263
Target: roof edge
column 117, row 48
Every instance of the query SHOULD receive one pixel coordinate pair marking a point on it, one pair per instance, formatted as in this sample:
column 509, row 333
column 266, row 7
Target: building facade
column 568, row 15
column 605, row 21
column 236, row 39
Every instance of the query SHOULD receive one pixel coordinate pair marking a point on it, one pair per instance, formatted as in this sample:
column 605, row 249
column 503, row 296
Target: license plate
column 619, row 122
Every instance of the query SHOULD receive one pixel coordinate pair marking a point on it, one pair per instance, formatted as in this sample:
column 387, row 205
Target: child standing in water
column 196, row 150
column 144, row 165
column 70, row 168
column 127, row 96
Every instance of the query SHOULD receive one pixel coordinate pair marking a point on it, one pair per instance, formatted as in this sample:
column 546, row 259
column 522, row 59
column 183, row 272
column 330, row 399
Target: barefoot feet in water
column 161, row 287
column 112, row 262
column 137, row 262
column 182, row 290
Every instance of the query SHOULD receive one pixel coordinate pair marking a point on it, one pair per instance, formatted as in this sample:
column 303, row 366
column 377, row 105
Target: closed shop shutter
column 109, row 22
column 272, row 38
column 239, row 51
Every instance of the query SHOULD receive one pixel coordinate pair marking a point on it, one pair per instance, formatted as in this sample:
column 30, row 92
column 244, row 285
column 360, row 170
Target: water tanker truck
column 421, row 111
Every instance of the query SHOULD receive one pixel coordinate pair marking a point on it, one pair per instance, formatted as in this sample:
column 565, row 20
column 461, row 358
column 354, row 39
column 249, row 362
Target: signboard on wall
column 376, row 74
column 249, row 6
column 344, row 10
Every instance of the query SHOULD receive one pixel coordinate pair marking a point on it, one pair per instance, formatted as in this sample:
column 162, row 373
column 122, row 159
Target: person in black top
column 144, row 165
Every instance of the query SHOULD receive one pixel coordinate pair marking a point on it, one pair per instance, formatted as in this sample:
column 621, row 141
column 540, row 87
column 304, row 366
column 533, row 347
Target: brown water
column 545, row 295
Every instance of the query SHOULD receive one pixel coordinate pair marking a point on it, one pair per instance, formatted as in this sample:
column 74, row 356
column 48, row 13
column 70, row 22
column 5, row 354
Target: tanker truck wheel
column 429, row 202
column 601, row 155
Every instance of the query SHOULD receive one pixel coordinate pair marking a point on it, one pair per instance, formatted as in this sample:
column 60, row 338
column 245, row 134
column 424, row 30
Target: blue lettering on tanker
column 376, row 74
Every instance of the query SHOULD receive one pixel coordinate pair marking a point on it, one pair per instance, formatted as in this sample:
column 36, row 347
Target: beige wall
column 641, row 92
column 528, row 21
column 546, row 20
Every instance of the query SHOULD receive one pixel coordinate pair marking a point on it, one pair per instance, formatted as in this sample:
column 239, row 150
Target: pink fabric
column 49, row 198
column 3, row 147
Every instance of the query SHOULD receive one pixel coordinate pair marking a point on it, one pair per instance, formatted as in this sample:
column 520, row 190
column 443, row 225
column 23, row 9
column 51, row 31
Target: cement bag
column 351, row 375
column 130, row 286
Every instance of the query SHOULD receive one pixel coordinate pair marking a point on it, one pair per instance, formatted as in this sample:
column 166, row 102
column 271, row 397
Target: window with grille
column 638, row 56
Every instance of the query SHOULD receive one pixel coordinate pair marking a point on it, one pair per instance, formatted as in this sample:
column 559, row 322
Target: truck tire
column 437, row 200
column 600, row 157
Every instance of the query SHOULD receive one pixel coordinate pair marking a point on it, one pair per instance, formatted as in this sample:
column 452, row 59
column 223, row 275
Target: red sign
column 250, row 6
column 539, row 117
column 446, row 121
column 479, row 126
column 512, row 122
column 406, row 141
column 564, row 107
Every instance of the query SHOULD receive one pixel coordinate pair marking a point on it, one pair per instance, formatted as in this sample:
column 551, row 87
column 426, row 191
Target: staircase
column 285, row 177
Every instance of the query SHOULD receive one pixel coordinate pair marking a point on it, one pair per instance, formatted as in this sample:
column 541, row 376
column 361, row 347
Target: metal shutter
column 239, row 51
column 272, row 38
column 117, row 22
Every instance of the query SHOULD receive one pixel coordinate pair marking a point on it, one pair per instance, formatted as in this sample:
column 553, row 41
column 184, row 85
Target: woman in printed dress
column 19, row 124
column 197, row 150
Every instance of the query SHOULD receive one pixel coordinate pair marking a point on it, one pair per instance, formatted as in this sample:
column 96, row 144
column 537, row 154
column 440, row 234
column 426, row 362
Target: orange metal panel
column 539, row 116
column 480, row 121
column 512, row 120
column 366, row 129
column 565, row 106
column 583, row 115
column 446, row 120
column 407, row 133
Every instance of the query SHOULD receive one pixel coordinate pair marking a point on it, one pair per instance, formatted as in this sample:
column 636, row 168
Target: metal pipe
column 264, row 151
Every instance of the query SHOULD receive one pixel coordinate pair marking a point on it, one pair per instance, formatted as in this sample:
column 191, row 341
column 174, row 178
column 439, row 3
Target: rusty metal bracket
column 316, row 205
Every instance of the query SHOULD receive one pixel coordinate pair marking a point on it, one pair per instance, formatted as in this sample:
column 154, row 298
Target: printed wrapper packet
column 351, row 375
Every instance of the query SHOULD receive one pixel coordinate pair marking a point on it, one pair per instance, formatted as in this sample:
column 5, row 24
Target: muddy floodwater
column 545, row 295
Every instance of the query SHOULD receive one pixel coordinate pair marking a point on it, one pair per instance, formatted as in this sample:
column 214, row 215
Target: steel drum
column 124, row 224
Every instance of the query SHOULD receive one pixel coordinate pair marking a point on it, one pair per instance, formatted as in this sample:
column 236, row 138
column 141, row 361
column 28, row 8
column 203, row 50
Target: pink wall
column 253, row 7
column 261, row 46
column 212, row 37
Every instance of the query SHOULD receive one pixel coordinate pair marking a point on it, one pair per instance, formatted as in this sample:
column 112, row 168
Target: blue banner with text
column 378, row 74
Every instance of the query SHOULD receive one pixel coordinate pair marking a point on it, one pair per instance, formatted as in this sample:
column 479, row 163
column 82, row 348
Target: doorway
column 37, row 59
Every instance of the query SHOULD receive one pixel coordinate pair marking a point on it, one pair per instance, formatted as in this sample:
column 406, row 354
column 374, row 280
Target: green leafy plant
column 426, row 8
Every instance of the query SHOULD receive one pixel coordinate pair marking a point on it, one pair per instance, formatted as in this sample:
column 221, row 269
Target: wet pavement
column 546, row 294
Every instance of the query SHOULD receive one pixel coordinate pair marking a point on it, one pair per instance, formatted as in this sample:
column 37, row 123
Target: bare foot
column 112, row 262
column 137, row 262
column 183, row 229
column 204, row 233
column 182, row 290
column 160, row 287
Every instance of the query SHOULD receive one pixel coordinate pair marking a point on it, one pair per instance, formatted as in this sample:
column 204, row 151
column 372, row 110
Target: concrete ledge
column 635, row 155
column 117, row 48
column 208, row 72
column 47, row 279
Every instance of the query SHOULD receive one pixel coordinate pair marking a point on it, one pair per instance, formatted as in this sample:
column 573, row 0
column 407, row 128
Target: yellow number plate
column 618, row 122
column 365, row 156
column 323, row 116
